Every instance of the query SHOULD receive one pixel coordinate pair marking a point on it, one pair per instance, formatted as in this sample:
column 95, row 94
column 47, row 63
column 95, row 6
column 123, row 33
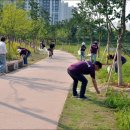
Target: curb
column 14, row 65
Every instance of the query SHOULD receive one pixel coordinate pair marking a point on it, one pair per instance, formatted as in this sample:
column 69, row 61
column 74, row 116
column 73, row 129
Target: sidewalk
column 33, row 97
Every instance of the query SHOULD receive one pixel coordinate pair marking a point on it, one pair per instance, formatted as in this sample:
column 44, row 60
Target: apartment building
column 57, row 9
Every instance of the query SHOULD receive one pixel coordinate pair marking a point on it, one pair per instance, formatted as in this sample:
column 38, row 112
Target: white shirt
column 2, row 48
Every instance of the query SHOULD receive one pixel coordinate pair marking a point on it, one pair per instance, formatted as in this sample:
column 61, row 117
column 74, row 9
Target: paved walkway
column 33, row 97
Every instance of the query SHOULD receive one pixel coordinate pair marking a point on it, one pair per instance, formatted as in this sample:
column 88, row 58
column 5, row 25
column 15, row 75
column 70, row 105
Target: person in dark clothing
column 42, row 45
column 82, row 49
column 93, row 51
column 51, row 49
column 111, row 57
column 77, row 72
column 25, row 53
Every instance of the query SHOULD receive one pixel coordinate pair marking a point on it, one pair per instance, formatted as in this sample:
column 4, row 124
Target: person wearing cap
column 25, row 53
column 93, row 51
column 77, row 72
column 3, row 52
column 82, row 49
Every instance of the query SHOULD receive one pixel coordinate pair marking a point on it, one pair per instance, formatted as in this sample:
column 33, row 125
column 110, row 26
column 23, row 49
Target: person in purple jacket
column 111, row 57
column 93, row 51
column 77, row 72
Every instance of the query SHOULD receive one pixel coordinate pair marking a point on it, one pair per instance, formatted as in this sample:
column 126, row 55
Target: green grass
column 123, row 119
column 89, row 114
column 92, row 114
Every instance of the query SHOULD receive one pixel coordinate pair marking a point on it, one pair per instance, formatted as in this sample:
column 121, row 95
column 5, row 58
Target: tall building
column 65, row 12
column 52, row 7
column 57, row 9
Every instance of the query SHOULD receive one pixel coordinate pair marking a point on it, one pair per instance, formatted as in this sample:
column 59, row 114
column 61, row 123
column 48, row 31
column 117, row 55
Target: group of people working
column 83, row 67
column 93, row 54
column 50, row 49
column 76, row 70
column 23, row 52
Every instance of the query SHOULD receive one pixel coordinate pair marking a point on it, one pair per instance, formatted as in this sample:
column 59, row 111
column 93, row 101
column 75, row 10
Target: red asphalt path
column 34, row 97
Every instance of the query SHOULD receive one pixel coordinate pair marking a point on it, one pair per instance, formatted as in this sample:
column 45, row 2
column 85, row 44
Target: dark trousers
column 78, row 77
column 25, row 58
column 50, row 52
column 116, row 65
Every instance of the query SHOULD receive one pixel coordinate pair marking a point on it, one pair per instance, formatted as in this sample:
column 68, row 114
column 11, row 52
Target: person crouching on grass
column 25, row 53
column 77, row 72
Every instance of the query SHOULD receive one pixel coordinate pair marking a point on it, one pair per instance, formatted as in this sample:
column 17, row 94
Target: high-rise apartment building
column 65, row 12
column 57, row 9
column 52, row 7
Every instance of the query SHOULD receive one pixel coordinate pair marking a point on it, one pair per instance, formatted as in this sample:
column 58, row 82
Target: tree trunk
column 99, row 43
column 120, row 39
column 119, row 63
column 108, row 45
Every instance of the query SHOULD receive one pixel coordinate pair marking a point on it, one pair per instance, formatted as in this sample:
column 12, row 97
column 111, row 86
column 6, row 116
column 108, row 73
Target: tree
column 34, row 12
column 14, row 22
column 109, row 10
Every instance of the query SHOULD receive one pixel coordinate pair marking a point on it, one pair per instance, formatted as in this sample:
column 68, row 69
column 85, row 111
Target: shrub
column 117, row 99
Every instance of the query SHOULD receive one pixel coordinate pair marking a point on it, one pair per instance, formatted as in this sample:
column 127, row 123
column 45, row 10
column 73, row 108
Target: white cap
column 19, row 50
column 83, row 43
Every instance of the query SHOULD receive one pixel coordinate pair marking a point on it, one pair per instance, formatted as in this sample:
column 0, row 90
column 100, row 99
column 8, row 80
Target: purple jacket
column 83, row 67
column 94, row 48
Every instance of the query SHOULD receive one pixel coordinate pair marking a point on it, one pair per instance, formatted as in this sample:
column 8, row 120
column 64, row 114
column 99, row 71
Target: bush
column 117, row 99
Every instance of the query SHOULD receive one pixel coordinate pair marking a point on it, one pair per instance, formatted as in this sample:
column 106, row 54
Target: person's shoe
column 83, row 97
column 76, row 96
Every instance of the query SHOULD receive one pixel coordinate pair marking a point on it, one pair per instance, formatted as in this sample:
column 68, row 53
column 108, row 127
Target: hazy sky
column 128, row 7
column 72, row 2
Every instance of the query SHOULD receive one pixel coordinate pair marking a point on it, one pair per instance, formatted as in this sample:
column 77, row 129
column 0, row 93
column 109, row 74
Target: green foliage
column 12, row 52
column 34, row 13
column 15, row 21
column 117, row 100
column 123, row 119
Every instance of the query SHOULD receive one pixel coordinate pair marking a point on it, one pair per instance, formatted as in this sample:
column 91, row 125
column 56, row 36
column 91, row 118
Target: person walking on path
column 77, row 71
column 93, row 51
column 51, row 49
column 111, row 57
column 42, row 44
column 3, row 52
column 82, row 49
column 25, row 53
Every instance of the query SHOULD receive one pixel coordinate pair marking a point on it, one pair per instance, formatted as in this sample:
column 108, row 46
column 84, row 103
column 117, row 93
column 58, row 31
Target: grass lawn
column 36, row 57
column 91, row 114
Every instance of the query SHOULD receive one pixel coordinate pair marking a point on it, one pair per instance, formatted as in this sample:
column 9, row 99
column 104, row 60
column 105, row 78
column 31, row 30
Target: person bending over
column 111, row 57
column 77, row 72
column 25, row 53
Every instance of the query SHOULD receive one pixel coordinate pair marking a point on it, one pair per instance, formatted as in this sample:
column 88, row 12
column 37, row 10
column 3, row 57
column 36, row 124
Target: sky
column 72, row 2
column 128, row 7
